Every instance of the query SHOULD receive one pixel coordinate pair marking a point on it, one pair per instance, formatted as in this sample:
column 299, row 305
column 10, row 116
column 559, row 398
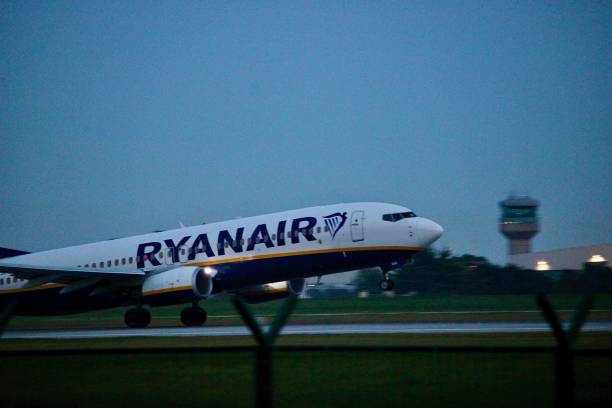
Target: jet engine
column 272, row 291
column 183, row 284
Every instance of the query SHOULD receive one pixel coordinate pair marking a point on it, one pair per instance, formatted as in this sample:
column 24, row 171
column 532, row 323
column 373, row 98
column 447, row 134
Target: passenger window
column 122, row 261
column 87, row 265
column 161, row 255
column 8, row 281
column 183, row 251
column 318, row 230
column 93, row 265
column 1, row 281
column 241, row 242
column 250, row 241
column 130, row 259
column 109, row 263
column 288, row 234
column 326, row 229
column 116, row 262
column 102, row 264
column 273, row 237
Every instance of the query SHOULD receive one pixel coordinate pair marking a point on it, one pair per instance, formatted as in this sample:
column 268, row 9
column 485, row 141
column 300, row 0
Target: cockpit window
column 398, row 216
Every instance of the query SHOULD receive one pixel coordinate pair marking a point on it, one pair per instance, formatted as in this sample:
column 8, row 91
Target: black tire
column 386, row 285
column 200, row 316
column 144, row 317
column 137, row 318
column 193, row 316
column 186, row 316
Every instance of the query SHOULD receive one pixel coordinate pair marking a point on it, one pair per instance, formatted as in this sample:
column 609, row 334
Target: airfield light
column 596, row 259
column 542, row 266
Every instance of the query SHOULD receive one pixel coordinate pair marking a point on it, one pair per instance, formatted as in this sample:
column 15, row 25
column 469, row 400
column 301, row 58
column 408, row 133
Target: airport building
column 519, row 224
column 561, row 259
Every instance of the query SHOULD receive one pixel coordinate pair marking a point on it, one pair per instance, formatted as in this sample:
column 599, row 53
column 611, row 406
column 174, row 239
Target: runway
column 388, row 328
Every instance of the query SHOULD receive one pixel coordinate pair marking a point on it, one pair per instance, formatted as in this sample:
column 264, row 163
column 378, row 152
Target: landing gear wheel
column 387, row 285
column 193, row 316
column 137, row 317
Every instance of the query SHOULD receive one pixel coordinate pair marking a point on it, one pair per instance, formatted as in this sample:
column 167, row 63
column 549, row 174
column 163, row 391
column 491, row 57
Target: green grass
column 588, row 340
column 306, row 379
column 302, row 379
column 373, row 309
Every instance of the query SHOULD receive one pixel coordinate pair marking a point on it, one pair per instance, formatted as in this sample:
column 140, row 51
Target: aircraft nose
column 429, row 231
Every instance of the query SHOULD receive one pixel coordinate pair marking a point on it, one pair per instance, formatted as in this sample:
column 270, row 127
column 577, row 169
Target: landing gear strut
column 193, row 316
column 137, row 317
column 387, row 283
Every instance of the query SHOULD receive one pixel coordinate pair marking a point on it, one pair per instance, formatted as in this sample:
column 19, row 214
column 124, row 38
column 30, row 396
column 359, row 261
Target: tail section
column 7, row 252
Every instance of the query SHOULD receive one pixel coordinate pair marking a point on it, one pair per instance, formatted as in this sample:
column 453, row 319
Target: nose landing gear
column 193, row 316
column 386, row 284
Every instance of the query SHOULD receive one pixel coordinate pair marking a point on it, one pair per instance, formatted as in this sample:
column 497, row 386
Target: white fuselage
column 255, row 250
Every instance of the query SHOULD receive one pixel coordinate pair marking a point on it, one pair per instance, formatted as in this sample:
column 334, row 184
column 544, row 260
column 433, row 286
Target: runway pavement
column 388, row 328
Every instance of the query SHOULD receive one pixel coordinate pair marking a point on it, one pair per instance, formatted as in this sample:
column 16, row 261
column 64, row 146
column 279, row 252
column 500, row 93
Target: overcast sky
column 119, row 118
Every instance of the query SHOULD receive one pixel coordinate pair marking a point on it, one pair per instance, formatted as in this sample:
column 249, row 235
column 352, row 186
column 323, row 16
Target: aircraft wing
column 40, row 274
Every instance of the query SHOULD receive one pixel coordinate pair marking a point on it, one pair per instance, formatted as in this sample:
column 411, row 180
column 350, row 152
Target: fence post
column 565, row 380
column 564, row 365
column 265, row 345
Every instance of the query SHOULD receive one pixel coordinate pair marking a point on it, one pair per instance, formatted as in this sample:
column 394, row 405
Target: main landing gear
column 137, row 317
column 193, row 316
column 387, row 284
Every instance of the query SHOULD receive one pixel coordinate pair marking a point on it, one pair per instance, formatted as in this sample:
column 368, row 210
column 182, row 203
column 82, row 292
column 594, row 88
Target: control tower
column 519, row 222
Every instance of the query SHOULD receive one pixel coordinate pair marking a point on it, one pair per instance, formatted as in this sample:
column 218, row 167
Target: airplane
column 261, row 258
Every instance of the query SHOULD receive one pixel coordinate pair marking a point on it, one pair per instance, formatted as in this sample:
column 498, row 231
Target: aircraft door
column 169, row 257
column 357, row 226
column 183, row 254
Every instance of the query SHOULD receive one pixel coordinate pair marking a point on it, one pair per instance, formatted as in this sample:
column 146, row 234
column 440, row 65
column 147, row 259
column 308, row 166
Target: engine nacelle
column 272, row 291
column 183, row 284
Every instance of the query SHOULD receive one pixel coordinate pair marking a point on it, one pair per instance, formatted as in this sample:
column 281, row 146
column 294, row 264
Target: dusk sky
column 120, row 118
